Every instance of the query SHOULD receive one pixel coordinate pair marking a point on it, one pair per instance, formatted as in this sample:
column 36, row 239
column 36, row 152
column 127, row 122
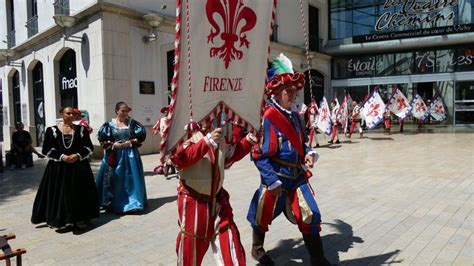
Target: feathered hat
column 280, row 75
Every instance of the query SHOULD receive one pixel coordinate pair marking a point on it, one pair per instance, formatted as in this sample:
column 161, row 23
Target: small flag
column 373, row 110
column 324, row 118
column 420, row 110
column 437, row 110
column 399, row 104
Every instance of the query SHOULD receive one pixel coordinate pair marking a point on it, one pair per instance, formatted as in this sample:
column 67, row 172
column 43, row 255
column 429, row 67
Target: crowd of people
column 69, row 196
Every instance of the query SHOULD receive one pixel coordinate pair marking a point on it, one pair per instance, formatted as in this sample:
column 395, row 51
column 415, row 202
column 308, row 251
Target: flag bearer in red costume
column 336, row 118
column 311, row 118
column 387, row 118
column 282, row 158
column 201, row 224
column 356, row 120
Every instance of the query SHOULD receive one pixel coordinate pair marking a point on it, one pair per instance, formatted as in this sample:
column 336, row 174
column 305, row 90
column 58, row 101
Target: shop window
column 339, row 68
column 68, row 79
column 424, row 62
column 403, row 64
column 385, row 65
column 464, row 103
column 38, row 102
column 465, row 59
column 445, row 61
column 15, row 81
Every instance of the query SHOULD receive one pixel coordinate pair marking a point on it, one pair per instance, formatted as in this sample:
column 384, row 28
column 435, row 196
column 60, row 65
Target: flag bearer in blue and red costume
column 204, row 212
column 282, row 158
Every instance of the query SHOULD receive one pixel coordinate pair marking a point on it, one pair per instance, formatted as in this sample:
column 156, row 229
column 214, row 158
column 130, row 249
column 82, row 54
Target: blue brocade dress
column 120, row 180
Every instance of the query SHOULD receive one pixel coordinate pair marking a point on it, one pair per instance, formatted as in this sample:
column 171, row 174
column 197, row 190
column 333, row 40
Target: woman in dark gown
column 67, row 195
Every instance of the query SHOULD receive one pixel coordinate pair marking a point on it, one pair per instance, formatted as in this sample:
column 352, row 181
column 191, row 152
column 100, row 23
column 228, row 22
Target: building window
column 317, row 86
column 313, row 31
column 68, row 79
column 170, row 72
column 38, row 102
column 10, row 23
column 61, row 7
column 32, row 22
column 16, row 97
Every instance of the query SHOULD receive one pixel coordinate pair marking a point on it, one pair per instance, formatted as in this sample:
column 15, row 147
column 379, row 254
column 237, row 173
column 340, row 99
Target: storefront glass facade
column 350, row 18
column 424, row 61
column 430, row 69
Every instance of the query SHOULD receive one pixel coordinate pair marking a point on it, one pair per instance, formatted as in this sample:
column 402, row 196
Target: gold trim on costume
column 306, row 213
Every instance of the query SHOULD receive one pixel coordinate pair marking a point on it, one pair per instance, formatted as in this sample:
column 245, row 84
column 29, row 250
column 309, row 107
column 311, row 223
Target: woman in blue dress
column 120, row 180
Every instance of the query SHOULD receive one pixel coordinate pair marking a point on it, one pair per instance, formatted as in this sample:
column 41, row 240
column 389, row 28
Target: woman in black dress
column 67, row 195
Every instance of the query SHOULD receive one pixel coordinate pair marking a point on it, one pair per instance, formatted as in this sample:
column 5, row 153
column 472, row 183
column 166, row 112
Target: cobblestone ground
column 404, row 198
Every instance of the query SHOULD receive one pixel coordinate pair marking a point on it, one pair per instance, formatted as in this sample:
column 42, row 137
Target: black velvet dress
column 67, row 193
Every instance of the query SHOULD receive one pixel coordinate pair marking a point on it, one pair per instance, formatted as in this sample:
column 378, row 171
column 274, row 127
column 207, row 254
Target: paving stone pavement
column 404, row 199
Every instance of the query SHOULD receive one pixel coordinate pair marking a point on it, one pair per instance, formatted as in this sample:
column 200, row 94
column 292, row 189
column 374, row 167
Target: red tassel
column 192, row 127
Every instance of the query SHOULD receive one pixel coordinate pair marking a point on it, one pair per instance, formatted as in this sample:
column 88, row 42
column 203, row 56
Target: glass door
column 464, row 103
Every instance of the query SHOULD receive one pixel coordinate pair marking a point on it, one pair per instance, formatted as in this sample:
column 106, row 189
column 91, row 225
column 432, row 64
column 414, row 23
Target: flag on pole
column 437, row 110
column 221, row 53
column 373, row 110
column 420, row 110
column 324, row 118
column 399, row 104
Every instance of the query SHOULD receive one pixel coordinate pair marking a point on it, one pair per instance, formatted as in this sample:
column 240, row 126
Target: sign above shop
column 423, row 18
column 377, row 37
column 414, row 12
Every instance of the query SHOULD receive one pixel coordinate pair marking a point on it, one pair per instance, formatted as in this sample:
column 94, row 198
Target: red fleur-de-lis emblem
column 324, row 114
column 237, row 19
column 374, row 109
column 401, row 103
column 439, row 108
column 420, row 107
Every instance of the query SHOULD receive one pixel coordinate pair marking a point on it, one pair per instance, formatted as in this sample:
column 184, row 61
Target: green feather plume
column 282, row 64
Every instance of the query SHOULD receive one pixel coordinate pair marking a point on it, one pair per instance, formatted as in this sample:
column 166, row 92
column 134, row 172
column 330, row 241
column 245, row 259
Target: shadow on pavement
column 382, row 138
column 14, row 182
column 149, row 173
column 154, row 204
column 292, row 251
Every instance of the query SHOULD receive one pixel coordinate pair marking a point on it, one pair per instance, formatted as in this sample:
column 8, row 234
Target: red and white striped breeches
column 198, row 229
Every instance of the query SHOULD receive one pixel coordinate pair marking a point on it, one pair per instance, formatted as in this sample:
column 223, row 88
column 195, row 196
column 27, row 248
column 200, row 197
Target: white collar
column 279, row 106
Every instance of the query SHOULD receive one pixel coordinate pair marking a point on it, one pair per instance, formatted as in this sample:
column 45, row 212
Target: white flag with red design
column 324, row 118
column 420, row 110
column 221, row 53
column 399, row 104
column 373, row 109
column 437, row 110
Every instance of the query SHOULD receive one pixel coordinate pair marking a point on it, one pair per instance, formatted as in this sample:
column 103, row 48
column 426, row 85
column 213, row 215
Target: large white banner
column 420, row 110
column 324, row 118
column 437, row 110
column 221, row 61
column 399, row 104
column 373, row 109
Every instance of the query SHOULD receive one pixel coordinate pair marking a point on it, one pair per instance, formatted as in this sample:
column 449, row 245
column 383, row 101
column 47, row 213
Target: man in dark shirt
column 21, row 148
